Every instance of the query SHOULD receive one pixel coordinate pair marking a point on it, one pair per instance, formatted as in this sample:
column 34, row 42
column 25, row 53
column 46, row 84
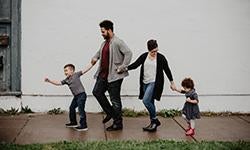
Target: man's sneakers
column 71, row 125
column 81, row 128
column 106, row 119
column 76, row 127
column 115, row 127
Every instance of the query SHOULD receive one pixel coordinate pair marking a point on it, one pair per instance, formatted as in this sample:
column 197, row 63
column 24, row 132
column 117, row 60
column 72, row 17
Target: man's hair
column 71, row 66
column 152, row 44
column 107, row 24
column 188, row 83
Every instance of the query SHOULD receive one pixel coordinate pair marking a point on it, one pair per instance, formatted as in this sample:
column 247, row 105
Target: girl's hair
column 188, row 83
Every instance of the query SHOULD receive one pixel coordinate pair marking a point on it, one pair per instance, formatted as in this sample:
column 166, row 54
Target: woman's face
column 153, row 52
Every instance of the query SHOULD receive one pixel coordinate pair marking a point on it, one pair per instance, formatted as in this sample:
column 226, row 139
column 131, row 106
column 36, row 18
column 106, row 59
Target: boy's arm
column 57, row 83
column 89, row 66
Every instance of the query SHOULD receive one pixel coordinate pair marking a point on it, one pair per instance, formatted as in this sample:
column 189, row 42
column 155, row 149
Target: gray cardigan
column 119, row 57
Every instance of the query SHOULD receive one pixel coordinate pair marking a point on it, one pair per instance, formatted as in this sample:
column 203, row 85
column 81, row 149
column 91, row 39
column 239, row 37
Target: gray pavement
column 43, row 128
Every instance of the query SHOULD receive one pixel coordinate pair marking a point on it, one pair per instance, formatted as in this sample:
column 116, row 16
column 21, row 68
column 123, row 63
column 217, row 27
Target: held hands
column 173, row 87
column 121, row 69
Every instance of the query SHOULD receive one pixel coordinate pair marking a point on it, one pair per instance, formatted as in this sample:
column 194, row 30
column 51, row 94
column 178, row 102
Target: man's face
column 105, row 33
column 68, row 71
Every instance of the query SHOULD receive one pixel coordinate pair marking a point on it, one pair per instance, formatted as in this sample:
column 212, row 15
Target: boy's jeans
column 148, row 100
column 78, row 101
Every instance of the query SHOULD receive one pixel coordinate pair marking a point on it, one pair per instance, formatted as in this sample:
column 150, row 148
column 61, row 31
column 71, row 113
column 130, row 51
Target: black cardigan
column 162, row 64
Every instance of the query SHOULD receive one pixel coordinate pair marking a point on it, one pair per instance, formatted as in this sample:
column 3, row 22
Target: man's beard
column 107, row 37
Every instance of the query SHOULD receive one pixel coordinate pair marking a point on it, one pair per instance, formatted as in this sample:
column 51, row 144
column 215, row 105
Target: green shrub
column 55, row 111
column 132, row 145
column 12, row 111
column 26, row 110
column 167, row 113
column 126, row 112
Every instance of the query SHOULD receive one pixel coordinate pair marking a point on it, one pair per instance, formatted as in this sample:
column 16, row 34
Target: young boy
column 78, row 91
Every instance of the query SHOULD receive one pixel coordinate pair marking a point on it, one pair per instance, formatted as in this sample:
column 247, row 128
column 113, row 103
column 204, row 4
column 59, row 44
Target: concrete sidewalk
column 43, row 128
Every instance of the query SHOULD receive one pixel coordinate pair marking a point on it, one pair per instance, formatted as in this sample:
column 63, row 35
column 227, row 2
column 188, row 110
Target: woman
column 152, row 80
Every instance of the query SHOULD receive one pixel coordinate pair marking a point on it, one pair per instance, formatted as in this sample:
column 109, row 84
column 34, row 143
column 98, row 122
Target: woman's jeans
column 148, row 99
column 78, row 101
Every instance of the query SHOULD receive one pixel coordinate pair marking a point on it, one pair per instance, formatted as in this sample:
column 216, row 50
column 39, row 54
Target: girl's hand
column 192, row 101
column 188, row 100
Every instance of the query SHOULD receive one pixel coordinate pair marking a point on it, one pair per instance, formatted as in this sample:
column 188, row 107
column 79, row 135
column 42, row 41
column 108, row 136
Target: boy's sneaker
column 71, row 125
column 81, row 128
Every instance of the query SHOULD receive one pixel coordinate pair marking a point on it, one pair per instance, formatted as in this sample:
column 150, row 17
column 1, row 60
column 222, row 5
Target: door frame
column 15, row 47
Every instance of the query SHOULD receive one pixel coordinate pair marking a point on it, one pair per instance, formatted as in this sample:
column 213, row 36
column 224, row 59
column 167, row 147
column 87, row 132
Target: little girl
column 190, row 111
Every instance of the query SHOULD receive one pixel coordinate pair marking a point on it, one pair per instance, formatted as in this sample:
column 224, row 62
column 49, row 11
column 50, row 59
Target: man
column 114, row 56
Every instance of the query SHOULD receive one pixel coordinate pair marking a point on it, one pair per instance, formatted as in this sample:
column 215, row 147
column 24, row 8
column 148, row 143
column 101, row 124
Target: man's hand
column 93, row 61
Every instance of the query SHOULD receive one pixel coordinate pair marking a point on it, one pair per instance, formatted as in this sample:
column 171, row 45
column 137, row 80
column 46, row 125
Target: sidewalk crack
column 184, row 129
column 243, row 119
column 104, row 130
column 14, row 141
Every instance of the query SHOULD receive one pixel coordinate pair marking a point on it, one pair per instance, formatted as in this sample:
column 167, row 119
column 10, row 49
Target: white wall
column 208, row 40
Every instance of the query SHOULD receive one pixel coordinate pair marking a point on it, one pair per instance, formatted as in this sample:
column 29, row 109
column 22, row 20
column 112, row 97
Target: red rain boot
column 190, row 132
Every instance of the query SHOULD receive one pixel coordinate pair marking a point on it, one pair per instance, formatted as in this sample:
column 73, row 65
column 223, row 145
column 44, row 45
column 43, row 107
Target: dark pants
column 114, row 89
column 78, row 101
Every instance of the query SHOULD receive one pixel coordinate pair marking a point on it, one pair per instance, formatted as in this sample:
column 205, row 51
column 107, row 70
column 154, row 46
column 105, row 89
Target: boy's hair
column 188, row 83
column 107, row 24
column 152, row 44
column 71, row 66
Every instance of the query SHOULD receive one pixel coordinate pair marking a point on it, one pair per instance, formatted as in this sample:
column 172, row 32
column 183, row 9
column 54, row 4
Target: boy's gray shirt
column 119, row 56
column 74, row 83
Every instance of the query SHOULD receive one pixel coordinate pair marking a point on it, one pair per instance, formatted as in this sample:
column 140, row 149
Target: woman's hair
column 188, row 83
column 107, row 24
column 71, row 66
column 152, row 44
